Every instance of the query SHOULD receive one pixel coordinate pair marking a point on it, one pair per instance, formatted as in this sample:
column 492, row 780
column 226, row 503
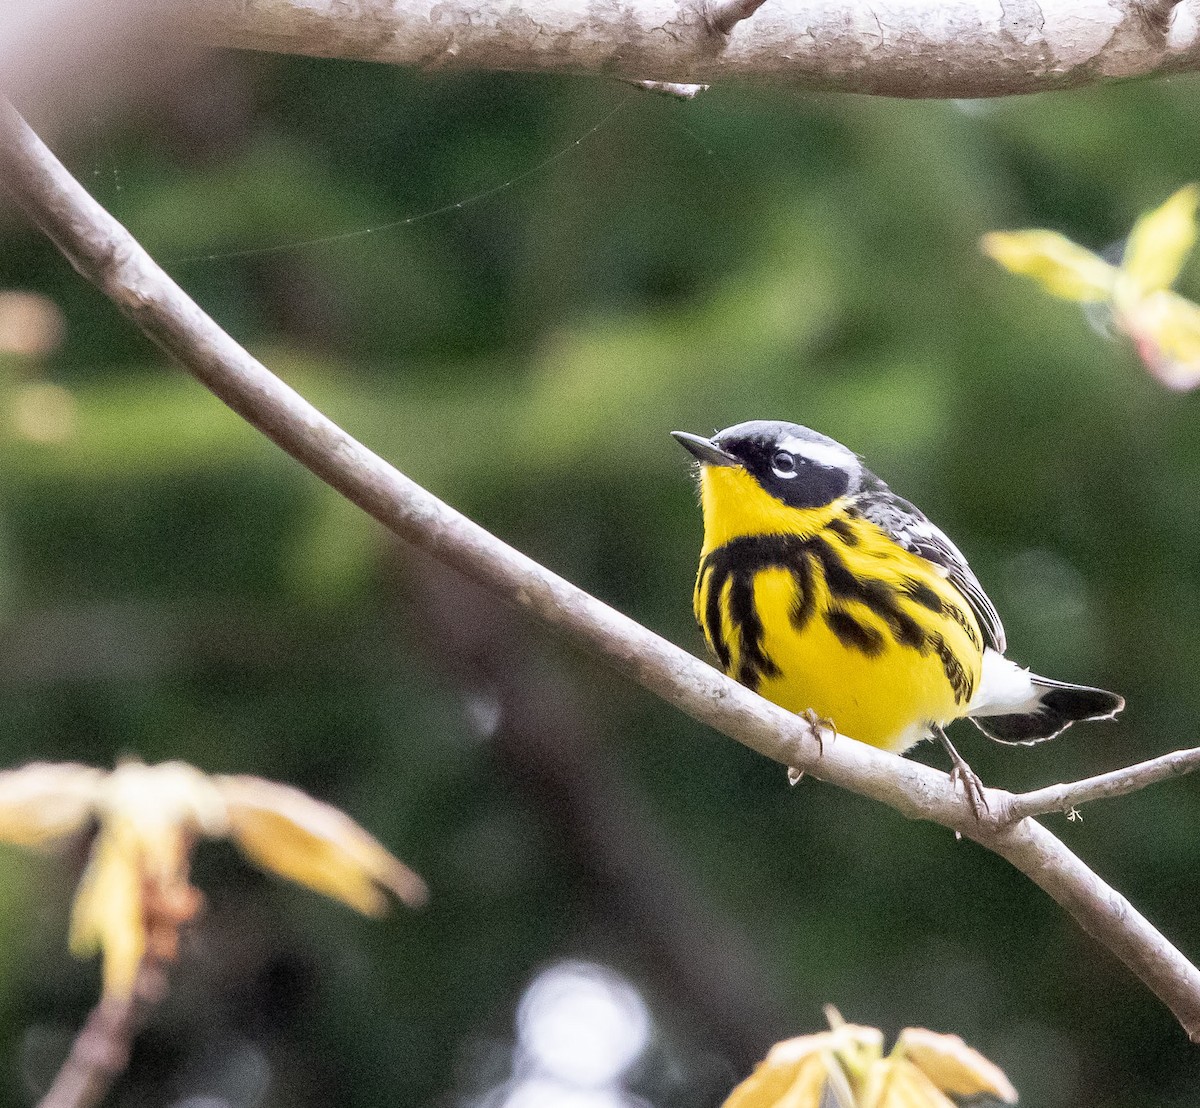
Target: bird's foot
column 963, row 775
column 820, row 725
column 972, row 787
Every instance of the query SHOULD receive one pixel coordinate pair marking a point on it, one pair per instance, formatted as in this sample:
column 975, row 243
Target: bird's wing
column 908, row 526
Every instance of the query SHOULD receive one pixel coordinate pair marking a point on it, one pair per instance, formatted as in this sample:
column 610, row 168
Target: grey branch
column 910, row 48
column 53, row 51
column 106, row 254
column 98, row 1056
column 1120, row 782
column 100, row 1052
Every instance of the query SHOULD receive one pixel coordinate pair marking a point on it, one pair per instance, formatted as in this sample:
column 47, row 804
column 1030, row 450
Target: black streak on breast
column 740, row 561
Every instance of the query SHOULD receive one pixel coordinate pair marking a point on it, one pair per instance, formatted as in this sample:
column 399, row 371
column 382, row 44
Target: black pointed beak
column 704, row 450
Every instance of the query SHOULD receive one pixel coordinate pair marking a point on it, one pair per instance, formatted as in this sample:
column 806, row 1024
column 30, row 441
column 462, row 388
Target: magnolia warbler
column 828, row 594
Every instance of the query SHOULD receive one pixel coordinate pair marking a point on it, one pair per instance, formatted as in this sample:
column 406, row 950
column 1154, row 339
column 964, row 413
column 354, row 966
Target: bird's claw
column 819, row 725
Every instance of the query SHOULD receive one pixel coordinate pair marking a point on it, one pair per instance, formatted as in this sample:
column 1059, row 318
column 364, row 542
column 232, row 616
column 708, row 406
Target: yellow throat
column 735, row 504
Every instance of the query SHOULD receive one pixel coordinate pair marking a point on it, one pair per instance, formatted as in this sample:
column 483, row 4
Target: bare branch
column 97, row 1058
column 910, row 48
column 1120, row 782
column 100, row 1051
column 54, row 50
column 106, row 254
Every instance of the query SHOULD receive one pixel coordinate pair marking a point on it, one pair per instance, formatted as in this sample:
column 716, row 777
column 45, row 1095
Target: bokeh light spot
column 583, row 1024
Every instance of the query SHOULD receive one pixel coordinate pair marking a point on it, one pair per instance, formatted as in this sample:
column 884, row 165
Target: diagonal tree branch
column 55, row 51
column 106, row 254
column 910, row 48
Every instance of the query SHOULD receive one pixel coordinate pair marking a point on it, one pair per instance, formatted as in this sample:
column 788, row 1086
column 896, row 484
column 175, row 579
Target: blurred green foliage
column 173, row 586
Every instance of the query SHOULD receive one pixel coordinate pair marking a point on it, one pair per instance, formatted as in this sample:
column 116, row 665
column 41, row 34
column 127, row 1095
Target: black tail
column 1058, row 705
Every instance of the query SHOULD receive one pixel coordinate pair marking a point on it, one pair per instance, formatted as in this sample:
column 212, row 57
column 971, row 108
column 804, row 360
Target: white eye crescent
column 783, row 464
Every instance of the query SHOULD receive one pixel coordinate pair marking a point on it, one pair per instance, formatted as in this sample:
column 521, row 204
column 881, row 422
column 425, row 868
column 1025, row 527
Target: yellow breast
column 819, row 609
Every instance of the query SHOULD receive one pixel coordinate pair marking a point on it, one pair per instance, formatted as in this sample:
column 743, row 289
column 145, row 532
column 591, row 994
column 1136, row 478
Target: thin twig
column 98, row 1057
column 1119, row 782
column 100, row 1052
column 106, row 254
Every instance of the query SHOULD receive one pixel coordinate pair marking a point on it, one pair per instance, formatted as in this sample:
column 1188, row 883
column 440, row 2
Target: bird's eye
column 784, row 464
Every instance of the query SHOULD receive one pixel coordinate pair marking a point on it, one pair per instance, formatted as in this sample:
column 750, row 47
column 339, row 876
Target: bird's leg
column 963, row 774
column 819, row 725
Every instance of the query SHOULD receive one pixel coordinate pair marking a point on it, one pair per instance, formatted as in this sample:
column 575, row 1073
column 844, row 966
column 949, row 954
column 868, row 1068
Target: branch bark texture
column 909, row 48
column 106, row 254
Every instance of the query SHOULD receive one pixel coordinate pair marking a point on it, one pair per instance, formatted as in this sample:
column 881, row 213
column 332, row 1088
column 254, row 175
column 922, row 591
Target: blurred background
column 626, row 909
